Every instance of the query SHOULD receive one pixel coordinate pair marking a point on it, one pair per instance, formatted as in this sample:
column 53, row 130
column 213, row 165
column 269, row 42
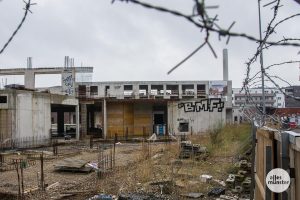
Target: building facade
column 289, row 101
column 25, row 115
column 274, row 98
column 141, row 108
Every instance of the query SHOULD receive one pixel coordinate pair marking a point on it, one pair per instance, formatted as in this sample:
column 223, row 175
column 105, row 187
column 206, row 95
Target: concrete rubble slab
column 193, row 195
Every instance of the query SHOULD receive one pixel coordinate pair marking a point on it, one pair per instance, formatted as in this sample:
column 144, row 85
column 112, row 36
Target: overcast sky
column 125, row 42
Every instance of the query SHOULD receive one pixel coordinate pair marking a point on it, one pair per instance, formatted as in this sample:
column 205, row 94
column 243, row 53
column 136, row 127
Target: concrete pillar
column 180, row 91
column 83, row 115
column 207, row 89
column 104, row 119
column 77, row 123
column 29, row 77
column 225, row 64
column 165, row 88
column 149, row 90
column 195, row 91
column 135, row 89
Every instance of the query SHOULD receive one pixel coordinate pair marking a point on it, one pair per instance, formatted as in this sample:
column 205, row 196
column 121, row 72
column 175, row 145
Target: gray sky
column 125, row 42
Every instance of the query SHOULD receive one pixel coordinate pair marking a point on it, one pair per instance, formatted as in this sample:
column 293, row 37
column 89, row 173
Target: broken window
column 201, row 89
column 128, row 90
column 3, row 99
column 127, row 87
column 81, row 90
column 94, row 90
column 184, row 127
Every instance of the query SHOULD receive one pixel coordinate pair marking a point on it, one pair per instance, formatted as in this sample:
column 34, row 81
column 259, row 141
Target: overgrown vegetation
column 215, row 134
column 163, row 164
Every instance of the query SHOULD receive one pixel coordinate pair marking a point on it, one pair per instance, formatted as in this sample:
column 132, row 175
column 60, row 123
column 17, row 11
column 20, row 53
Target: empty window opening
column 3, row 99
column 82, row 90
column 94, row 90
column 188, row 89
column 184, row 127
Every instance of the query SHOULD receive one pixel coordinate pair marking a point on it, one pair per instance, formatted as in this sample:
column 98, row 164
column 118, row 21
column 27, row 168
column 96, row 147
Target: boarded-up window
column 3, row 99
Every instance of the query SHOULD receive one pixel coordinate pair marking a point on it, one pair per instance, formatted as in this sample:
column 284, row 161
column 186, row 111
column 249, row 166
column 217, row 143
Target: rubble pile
column 195, row 151
column 241, row 181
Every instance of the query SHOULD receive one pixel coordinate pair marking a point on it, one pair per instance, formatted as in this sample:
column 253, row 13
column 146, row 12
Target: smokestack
column 29, row 62
column 225, row 64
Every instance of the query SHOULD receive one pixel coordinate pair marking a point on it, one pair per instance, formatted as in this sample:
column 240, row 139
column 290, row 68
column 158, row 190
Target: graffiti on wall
column 68, row 83
column 203, row 105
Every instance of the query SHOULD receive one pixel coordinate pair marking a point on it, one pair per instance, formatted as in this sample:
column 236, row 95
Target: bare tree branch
column 27, row 9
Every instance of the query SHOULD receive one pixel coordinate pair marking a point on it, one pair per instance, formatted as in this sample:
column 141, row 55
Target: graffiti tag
column 203, row 105
column 68, row 83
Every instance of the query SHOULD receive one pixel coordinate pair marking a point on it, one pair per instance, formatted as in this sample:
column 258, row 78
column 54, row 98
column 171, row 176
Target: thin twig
column 27, row 9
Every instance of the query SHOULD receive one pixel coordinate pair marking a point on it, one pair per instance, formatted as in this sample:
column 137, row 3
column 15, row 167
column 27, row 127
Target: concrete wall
column 7, row 116
column 6, row 126
column 27, row 114
column 33, row 115
column 200, row 115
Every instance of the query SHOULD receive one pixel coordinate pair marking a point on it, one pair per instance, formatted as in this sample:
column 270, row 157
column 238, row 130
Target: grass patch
column 224, row 141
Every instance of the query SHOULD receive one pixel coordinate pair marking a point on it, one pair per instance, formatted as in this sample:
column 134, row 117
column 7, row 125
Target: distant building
column 289, row 101
column 273, row 99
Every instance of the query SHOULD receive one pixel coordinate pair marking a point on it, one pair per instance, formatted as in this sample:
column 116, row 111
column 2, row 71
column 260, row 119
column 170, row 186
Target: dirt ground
column 140, row 169
column 125, row 155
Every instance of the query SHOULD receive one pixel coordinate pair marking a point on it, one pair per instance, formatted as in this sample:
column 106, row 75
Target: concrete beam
column 44, row 70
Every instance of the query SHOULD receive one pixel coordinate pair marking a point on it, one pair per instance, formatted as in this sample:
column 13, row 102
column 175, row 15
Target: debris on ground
column 195, row 151
column 205, row 178
column 193, row 195
column 73, row 165
column 216, row 192
column 142, row 196
column 102, row 197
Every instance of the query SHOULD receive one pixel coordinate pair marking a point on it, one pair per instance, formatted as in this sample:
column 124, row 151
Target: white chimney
column 225, row 64
column 29, row 62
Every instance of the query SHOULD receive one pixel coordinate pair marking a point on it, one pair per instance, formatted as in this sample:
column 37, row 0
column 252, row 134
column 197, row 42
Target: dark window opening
column 3, row 99
column 81, row 90
column 158, row 118
column 184, row 127
column 128, row 87
column 94, row 90
column 106, row 90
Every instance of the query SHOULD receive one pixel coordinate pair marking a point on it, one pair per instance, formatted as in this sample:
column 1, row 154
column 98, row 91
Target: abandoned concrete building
column 163, row 107
column 107, row 109
column 30, row 115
